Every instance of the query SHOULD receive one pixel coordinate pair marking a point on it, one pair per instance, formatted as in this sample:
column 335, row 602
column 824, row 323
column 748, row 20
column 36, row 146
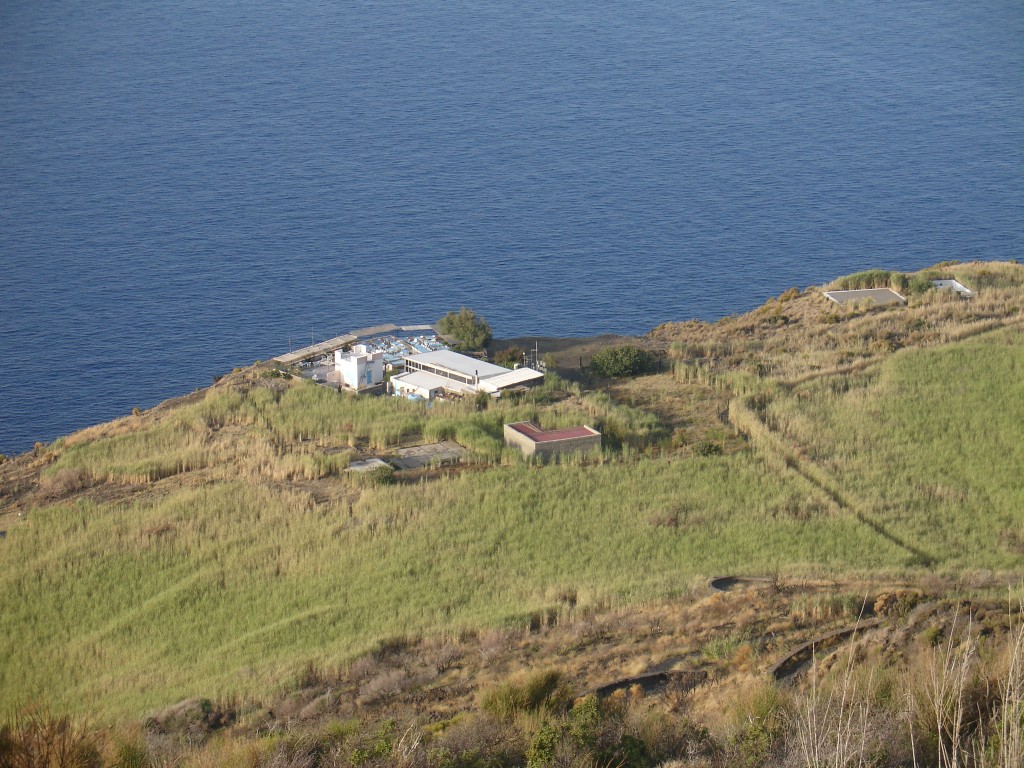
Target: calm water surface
column 190, row 186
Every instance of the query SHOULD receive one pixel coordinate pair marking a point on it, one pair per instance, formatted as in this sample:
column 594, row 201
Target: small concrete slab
column 367, row 465
column 430, row 455
column 880, row 296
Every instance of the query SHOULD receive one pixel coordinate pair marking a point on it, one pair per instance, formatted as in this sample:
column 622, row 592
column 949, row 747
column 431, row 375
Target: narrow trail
column 747, row 421
column 729, row 583
column 799, row 658
column 978, row 329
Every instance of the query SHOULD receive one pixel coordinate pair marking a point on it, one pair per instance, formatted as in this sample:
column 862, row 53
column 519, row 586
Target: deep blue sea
column 189, row 186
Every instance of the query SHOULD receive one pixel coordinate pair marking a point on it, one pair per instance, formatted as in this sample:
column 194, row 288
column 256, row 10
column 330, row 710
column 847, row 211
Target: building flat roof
column 428, row 381
column 453, row 361
column 539, row 435
column 510, row 379
column 877, row 295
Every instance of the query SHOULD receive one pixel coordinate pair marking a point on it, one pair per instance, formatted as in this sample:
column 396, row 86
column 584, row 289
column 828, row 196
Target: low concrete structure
column 367, row 465
column 954, row 285
column 534, row 441
column 879, row 296
column 441, row 454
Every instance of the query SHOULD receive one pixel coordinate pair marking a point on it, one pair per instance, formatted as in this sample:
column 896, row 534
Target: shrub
column 385, row 686
column 707, row 448
column 542, row 749
column 621, row 362
column 760, row 725
column 132, row 754
column 382, row 475
column 789, row 295
column 529, row 695
column 584, row 719
column 872, row 278
column 932, row 636
column 65, row 481
column 37, row 738
column 510, row 357
column 469, row 329
column 477, row 742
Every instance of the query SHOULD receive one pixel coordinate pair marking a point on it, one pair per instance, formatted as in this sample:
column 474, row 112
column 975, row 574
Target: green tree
column 620, row 362
column 468, row 328
column 510, row 357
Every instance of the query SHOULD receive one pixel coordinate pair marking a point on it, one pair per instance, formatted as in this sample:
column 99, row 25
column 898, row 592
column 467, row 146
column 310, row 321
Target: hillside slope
column 214, row 546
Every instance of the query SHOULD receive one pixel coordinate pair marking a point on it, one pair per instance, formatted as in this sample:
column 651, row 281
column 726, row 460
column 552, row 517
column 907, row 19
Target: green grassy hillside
column 929, row 444
column 214, row 547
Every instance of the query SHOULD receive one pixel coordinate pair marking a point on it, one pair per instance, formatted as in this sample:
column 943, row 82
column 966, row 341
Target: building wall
column 402, row 389
column 519, row 440
column 572, row 445
column 413, row 365
column 360, row 371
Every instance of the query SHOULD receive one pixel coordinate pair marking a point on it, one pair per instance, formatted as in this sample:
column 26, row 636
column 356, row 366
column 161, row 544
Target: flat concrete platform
column 880, row 296
column 432, row 454
column 367, row 465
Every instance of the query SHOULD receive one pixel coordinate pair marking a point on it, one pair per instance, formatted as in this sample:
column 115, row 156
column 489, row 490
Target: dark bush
column 382, row 475
column 509, row 358
column 707, row 448
column 621, row 362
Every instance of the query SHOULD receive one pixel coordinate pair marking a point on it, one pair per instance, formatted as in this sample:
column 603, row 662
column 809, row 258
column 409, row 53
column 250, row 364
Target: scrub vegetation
column 850, row 462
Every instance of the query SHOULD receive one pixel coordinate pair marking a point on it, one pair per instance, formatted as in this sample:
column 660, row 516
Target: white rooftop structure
column 954, row 285
column 429, row 372
column 510, row 379
column 453, row 362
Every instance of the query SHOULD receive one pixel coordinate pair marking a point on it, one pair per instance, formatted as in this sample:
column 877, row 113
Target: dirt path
column 801, row 657
column 729, row 583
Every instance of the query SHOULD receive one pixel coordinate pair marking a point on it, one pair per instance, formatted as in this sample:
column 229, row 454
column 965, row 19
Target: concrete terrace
column 329, row 346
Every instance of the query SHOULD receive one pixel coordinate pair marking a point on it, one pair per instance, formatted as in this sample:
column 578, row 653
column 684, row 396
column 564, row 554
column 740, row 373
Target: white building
column 360, row 368
column 431, row 373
